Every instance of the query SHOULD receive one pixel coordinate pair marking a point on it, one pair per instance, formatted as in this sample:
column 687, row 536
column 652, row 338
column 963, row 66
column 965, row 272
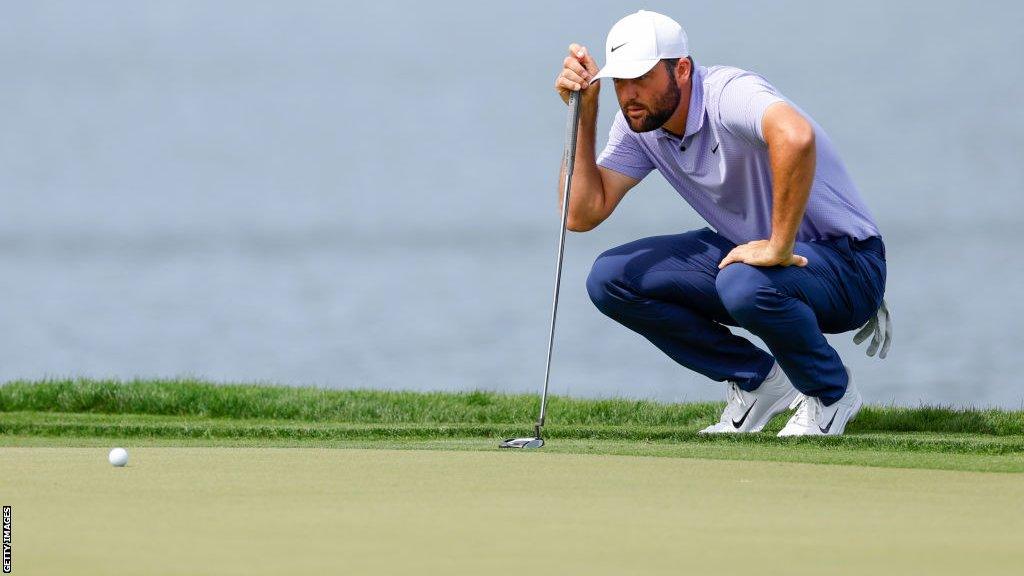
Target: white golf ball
column 118, row 457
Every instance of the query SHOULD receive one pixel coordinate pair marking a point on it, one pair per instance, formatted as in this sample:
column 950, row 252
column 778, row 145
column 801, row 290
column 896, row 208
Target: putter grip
column 571, row 130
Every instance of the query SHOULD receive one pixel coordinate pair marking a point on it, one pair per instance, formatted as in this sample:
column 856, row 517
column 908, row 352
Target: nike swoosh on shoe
column 737, row 425
column 829, row 425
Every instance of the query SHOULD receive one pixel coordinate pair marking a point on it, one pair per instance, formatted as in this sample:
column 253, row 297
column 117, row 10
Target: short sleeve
column 742, row 105
column 623, row 153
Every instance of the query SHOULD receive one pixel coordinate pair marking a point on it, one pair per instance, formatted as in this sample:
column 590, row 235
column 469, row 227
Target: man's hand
column 761, row 253
column 578, row 71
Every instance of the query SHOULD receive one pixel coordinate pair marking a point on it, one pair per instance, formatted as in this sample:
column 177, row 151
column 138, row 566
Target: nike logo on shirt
column 715, row 149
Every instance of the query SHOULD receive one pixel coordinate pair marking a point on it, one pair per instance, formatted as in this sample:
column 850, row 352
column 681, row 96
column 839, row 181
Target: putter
column 536, row 441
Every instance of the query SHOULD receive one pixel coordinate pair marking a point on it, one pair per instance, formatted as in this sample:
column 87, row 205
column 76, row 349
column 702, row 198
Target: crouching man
column 792, row 252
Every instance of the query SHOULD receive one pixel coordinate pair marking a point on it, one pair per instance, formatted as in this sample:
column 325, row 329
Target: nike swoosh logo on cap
column 736, row 424
column 619, row 46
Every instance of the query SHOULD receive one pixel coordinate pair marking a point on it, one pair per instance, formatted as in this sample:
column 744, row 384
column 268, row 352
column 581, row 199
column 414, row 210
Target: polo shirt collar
column 695, row 114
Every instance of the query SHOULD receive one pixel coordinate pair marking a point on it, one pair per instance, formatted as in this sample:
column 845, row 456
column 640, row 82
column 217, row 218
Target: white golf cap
column 637, row 42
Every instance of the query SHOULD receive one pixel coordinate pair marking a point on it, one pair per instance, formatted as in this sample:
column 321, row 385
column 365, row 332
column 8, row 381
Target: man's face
column 650, row 100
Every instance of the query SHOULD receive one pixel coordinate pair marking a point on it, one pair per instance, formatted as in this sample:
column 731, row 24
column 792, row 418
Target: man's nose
column 626, row 89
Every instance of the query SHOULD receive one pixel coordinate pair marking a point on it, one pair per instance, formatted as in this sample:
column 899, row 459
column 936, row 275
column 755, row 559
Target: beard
column 656, row 117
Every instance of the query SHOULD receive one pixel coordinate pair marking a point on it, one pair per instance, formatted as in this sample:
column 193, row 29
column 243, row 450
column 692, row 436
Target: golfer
column 792, row 252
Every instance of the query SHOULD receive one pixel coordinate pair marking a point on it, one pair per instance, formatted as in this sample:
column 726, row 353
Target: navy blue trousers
column 669, row 290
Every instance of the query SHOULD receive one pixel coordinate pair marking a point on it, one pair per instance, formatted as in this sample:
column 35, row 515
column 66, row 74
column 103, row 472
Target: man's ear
column 684, row 69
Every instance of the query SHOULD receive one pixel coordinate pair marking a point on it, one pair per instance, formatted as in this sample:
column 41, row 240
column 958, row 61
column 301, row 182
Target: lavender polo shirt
column 720, row 165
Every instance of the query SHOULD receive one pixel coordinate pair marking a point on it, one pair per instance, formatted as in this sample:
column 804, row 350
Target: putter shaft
column 568, row 160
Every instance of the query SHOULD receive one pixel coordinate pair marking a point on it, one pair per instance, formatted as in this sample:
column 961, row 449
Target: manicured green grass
column 197, row 398
column 255, row 480
column 186, row 412
column 256, row 511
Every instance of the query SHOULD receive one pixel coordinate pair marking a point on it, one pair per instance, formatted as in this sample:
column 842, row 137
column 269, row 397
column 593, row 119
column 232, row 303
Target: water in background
column 364, row 195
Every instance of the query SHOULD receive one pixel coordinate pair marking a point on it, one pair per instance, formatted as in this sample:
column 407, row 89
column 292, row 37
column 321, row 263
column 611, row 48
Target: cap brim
column 627, row 69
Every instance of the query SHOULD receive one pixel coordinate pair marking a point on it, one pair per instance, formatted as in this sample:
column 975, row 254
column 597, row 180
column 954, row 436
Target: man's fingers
column 574, row 65
column 565, row 85
column 570, row 82
column 734, row 255
column 574, row 77
column 582, row 55
column 798, row 261
column 589, row 62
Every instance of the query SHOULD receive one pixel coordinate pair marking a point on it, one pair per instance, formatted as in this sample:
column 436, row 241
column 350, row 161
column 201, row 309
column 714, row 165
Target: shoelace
column 734, row 402
column 808, row 410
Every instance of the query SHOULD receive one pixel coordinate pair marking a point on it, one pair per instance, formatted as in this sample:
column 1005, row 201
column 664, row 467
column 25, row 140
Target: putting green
column 305, row 510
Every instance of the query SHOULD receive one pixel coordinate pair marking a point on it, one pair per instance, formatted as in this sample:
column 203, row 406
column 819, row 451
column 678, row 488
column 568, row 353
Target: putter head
column 532, row 442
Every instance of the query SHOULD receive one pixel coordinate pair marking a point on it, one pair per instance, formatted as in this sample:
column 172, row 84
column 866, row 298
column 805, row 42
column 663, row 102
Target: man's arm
column 791, row 152
column 596, row 190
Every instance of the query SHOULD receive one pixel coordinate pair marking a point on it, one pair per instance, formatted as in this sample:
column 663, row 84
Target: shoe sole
column 713, row 432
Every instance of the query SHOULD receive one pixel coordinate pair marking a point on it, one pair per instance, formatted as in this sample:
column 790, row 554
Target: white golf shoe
column 750, row 411
column 813, row 418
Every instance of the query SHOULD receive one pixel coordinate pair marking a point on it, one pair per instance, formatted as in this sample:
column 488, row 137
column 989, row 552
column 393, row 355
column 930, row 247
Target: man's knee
column 622, row 276
column 605, row 282
column 743, row 290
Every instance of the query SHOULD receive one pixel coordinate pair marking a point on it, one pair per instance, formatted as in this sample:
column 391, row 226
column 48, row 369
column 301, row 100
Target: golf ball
column 118, row 457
